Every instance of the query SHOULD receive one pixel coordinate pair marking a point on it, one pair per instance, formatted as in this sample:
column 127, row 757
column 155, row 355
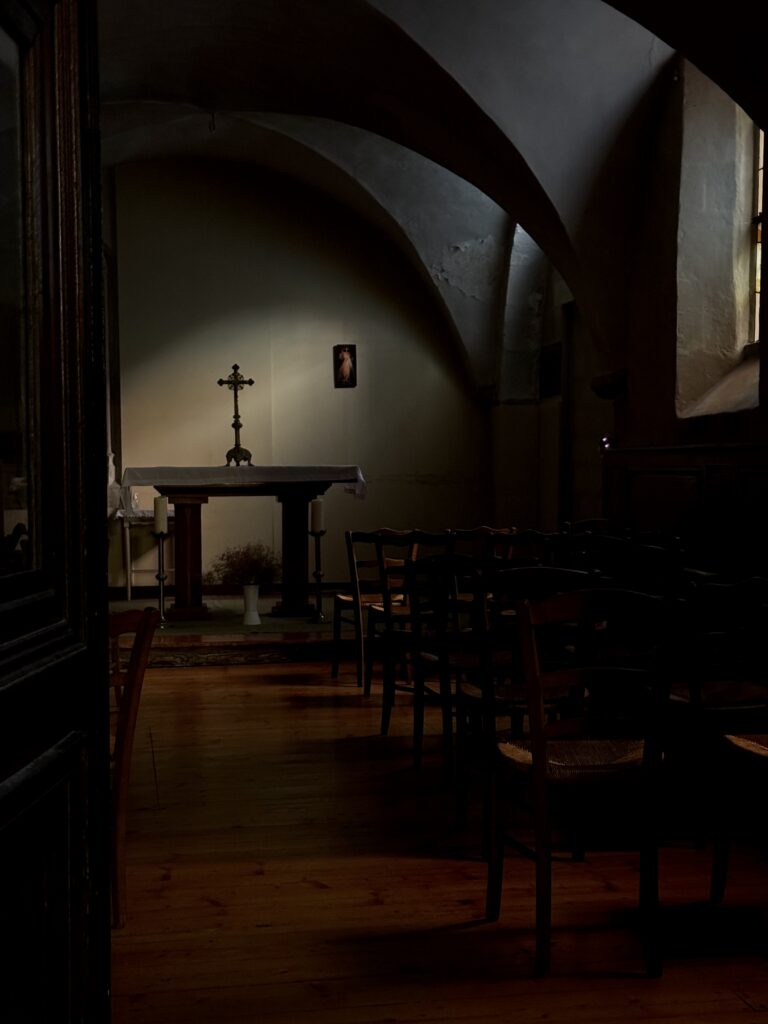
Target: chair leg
column 488, row 769
column 118, row 882
column 446, row 711
column 722, row 817
column 649, row 878
column 359, row 644
column 464, row 756
column 720, row 858
column 488, row 797
column 649, row 907
column 720, row 846
column 336, row 639
column 387, row 692
column 495, row 854
column 368, row 681
column 360, row 660
column 370, row 643
column 418, row 720
column 418, row 715
column 543, row 895
column 460, row 764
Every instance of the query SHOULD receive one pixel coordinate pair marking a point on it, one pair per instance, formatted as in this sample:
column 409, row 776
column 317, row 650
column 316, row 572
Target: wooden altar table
column 190, row 487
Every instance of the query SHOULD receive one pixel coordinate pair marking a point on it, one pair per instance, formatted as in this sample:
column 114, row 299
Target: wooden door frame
column 53, row 649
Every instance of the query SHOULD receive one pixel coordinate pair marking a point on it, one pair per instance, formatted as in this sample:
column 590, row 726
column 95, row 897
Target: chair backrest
column 483, row 541
column 535, row 546
column 441, row 591
column 591, row 526
column 722, row 653
column 605, row 677
column 393, row 549
column 126, row 680
column 631, row 562
column 505, row 586
column 362, row 563
column 499, row 589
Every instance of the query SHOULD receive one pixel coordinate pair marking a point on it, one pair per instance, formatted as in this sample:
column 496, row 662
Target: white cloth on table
column 239, row 476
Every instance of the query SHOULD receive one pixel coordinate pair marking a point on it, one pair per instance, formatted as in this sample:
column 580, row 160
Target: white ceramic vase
column 251, row 598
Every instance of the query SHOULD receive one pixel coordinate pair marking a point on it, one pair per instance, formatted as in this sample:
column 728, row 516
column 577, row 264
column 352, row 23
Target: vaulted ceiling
column 445, row 123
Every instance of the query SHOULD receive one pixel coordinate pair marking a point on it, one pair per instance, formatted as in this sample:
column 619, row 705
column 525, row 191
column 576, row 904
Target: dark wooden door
column 54, row 930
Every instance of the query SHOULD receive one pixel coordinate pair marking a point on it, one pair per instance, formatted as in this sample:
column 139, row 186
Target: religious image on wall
column 345, row 366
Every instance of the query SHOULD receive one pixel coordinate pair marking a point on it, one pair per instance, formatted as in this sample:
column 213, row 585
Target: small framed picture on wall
column 345, row 366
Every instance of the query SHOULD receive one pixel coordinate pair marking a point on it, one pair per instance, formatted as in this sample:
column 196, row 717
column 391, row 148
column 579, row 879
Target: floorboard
column 287, row 863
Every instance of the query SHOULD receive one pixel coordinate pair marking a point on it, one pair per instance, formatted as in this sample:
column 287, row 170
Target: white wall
column 217, row 265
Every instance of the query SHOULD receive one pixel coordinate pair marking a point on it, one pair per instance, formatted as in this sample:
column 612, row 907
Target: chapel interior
column 536, row 226
column 533, row 221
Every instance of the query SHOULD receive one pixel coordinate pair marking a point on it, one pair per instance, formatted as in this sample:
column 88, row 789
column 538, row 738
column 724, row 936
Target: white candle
column 316, row 515
column 161, row 514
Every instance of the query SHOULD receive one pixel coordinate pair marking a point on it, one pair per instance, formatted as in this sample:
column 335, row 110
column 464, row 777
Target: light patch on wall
column 714, row 253
column 272, row 281
column 471, row 267
column 178, row 373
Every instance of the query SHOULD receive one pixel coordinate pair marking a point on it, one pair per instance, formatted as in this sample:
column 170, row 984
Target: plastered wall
column 217, row 265
column 714, row 238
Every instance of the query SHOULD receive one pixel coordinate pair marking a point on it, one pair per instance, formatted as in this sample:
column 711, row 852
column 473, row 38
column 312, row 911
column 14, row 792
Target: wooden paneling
column 714, row 496
column 53, row 647
column 42, row 885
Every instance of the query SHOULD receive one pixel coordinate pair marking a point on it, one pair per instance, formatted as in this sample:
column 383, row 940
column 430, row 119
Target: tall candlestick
column 161, row 514
column 316, row 515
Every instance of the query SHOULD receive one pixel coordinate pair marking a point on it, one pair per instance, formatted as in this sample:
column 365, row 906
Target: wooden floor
column 287, row 864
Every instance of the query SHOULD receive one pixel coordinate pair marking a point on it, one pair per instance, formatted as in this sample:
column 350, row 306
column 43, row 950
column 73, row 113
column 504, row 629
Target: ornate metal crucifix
column 236, row 382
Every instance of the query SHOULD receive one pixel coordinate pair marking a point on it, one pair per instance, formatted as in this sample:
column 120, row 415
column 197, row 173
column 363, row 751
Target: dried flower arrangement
column 243, row 564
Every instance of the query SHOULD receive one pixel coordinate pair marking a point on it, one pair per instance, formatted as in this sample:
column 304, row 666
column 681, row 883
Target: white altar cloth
column 239, row 476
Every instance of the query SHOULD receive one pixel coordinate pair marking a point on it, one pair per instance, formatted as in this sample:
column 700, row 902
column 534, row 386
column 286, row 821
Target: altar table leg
column 188, row 559
column 295, row 595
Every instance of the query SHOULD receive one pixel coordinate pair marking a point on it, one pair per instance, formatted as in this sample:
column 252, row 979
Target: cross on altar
column 236, row 382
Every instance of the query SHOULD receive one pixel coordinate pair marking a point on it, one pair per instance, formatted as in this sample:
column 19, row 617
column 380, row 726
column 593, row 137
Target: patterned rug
column 221, row 638
column 183, row 655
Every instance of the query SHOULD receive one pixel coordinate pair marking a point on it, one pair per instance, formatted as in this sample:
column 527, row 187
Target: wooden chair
column 393, row 548
column 351, row 607
column 594, row 718
column 490, row 690
column 126, row 678
column 389, row 623
column 726, row 698
column 729, row 705
column 441, row 591
column 719, row 686
column 742, row 766
column 719, row 695
column 722, row 659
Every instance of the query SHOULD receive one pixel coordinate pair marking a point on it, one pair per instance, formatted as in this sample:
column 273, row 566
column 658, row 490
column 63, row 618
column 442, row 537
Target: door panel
column 41, row 807
column 54, row 919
